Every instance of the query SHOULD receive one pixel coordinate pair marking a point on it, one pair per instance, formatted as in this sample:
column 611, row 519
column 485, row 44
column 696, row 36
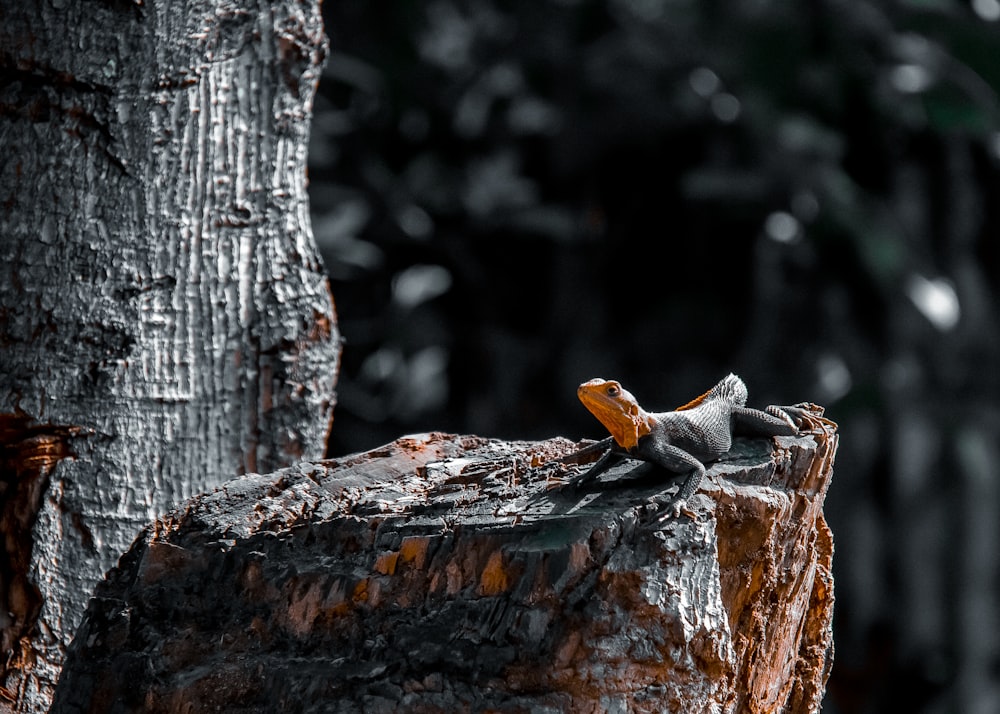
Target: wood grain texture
column 161, row 297
column 444, row 574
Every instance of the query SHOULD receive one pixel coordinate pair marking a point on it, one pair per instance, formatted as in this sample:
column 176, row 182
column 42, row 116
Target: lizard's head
column 616, row 409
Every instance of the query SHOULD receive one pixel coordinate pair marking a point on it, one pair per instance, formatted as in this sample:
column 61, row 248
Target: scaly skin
column 684, row 440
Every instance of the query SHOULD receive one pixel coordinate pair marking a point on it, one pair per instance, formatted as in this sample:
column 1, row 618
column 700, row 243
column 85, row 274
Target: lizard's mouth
column 617, row 416
column 599, row 405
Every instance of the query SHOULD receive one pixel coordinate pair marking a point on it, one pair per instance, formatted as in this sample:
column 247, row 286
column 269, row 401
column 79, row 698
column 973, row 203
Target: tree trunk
column 165, row 321
column 443, row 574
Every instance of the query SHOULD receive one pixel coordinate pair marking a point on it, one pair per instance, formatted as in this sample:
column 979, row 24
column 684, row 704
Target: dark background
column 514, row 197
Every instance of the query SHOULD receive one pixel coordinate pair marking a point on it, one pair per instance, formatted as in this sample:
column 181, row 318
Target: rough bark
column 443, row 574
column 165, row 322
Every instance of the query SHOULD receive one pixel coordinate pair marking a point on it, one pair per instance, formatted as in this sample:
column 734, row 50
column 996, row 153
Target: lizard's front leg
column 593, row 448
column 604, row 463
column 677, row 460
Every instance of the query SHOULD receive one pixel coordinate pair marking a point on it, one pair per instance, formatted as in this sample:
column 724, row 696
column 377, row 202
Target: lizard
column 681, row 441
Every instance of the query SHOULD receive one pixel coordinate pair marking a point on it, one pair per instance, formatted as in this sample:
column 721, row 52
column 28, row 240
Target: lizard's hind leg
column 774, row 421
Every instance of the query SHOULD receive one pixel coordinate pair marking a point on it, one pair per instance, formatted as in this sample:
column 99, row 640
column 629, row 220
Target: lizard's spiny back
column 731, row 389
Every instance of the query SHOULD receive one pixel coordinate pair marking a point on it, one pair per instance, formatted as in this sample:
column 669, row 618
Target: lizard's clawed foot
column 660, row 509
column 554, row 483
column 806, row 415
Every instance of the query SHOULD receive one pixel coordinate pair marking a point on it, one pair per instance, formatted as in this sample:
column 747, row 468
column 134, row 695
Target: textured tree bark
column 442, row 574
column 165, row 321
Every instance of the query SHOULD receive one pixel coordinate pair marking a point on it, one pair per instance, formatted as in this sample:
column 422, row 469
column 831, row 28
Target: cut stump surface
column 445, row 573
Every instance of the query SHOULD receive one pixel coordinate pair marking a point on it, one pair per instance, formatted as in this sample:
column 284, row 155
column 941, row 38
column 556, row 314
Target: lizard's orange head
column 616, row 409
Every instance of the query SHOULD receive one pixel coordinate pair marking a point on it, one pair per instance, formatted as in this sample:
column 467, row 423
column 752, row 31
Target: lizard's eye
column 612, row 391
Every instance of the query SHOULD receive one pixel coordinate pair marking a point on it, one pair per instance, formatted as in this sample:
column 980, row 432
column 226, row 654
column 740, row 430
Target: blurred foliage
column 513, row 197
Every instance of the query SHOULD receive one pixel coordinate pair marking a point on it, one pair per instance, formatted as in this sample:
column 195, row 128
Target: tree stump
column 445, row 573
